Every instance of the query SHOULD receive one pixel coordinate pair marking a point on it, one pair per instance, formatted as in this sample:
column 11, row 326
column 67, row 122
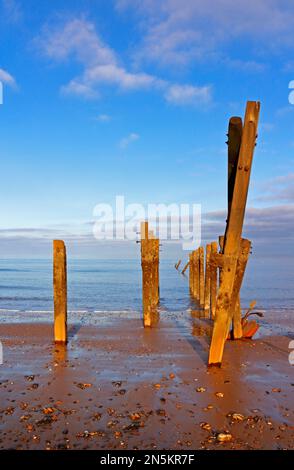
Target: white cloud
column 103, row 118
column 5, row 77
column 177, row 31
column 78, row 39
column 126, row 141
column 188, row 94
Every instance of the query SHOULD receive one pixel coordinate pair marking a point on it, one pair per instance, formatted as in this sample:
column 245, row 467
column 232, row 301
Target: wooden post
column 178, row 264
column 234, row 145
column 60, row 292
column 191, row 272
column 155, row 271
column 235, row 300
column 221, row 240
column 201, row 276
column 150, row 274
column 197, row 269
column 207, row 279
column 146, row 262
column 233, row 233
column 213, row 279
column 185, row 268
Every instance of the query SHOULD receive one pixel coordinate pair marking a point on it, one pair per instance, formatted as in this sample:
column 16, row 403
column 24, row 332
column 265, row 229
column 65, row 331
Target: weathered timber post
column 207, row 279
column 234, row 144
column 213, row 279
column 245, row 247
column 60, row 292
column 201, row 276
column 150, row 273
column 233, row 233
column 146, row 262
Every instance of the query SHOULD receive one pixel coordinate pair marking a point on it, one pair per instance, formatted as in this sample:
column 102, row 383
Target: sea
column 102, row 287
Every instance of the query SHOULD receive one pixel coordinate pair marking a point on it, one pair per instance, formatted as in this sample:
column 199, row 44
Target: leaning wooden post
column 60, row 292
column 207, row 279
column 213, row 279
column 201, row 276
column 233, row 234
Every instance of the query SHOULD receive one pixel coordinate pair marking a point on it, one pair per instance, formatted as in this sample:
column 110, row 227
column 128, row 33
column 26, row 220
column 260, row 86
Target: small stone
column 219, row 394
column 238, row 417
column 224, row 437
column 205, row 426
column 200, row 389
column 83, row 386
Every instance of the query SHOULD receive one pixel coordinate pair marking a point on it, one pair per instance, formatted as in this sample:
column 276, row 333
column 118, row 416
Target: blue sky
column 108, row 97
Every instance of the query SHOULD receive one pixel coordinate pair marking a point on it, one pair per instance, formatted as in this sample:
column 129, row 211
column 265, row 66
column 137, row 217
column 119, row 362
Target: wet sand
column 118, row 386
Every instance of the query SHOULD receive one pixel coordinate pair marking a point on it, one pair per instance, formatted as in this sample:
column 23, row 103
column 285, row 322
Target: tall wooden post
column 234, row 144
column 233, row 233
column 207, row 279
column 201, row 276
column 213, row 279
column 60, row 292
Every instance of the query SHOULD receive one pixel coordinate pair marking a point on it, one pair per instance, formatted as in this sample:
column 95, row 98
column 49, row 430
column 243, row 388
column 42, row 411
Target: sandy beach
column 119, row 386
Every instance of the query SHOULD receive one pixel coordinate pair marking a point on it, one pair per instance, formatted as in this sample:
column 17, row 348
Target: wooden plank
column 213, row 280
column 201, row 276
column 207, row 279
column 60, row 292
column 233, row 233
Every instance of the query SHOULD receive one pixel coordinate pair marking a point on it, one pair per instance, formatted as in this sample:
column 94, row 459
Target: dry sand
column 118, row 386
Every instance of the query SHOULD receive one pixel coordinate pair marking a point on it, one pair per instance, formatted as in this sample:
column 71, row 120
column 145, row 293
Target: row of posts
column 203, row 277
column 150, row 282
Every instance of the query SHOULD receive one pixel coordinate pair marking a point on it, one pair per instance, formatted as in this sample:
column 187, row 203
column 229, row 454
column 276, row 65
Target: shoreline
column 118, row 386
